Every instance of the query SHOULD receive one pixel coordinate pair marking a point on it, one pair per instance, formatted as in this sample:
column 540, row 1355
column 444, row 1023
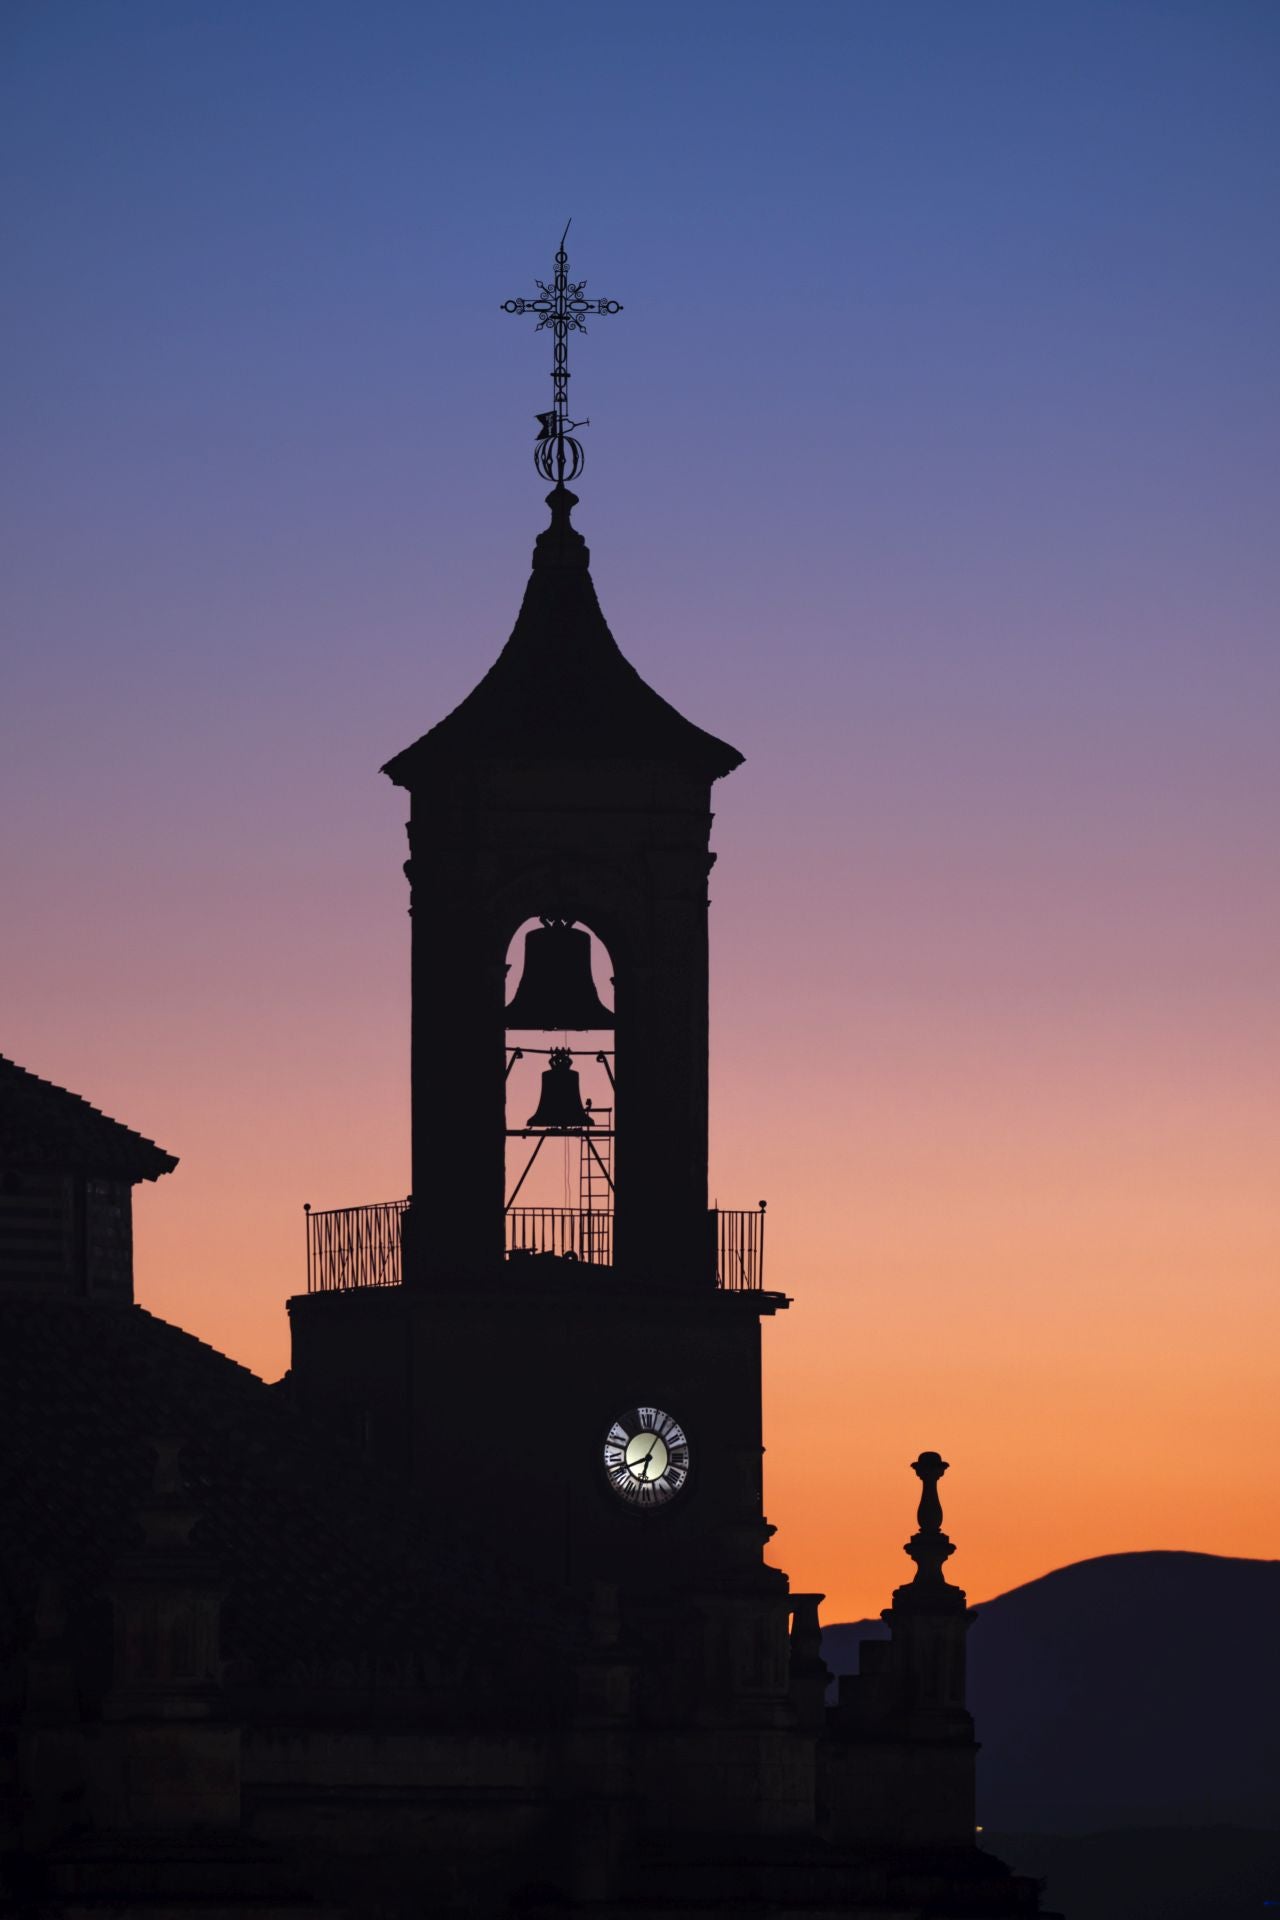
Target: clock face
column 646, row 1457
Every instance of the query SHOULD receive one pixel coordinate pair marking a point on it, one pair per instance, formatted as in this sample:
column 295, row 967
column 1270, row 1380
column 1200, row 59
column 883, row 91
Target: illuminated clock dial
column 646, row 1457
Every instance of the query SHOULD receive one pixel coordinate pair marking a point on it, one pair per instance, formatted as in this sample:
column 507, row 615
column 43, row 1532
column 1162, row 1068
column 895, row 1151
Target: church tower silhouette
column 600, row 1416
column 572, row 1394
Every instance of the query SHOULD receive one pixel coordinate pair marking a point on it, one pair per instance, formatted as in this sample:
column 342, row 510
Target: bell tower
column 576, row 1386
column 562, row 790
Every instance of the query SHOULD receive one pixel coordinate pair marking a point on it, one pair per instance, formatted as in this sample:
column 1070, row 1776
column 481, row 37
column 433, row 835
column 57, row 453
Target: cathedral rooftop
column 562, row 689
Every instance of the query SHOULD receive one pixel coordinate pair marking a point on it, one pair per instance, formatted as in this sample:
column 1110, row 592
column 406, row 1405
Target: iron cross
column 562, row 307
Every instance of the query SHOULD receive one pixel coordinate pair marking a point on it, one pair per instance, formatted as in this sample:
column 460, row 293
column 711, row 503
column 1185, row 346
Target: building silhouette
column 471, row 1613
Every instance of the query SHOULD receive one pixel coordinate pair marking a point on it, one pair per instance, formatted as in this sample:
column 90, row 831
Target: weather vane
column 560, row 306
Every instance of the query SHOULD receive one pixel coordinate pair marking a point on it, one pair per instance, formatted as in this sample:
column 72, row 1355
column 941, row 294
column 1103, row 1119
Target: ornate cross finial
column 560, row 306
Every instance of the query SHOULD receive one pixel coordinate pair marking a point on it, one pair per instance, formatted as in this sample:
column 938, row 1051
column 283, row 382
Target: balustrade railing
column 566, row 1231
column 354, row 1247
column 740, row 1250
column 361, row 1246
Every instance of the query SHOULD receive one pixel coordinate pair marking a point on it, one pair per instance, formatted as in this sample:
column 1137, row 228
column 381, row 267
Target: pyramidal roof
column 561, row 689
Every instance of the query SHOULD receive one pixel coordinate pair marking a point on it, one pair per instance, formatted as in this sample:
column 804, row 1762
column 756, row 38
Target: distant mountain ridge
column 1138, row 1689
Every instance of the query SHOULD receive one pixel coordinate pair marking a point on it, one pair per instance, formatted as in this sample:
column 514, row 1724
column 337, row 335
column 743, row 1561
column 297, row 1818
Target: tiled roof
column 328, row 1564
column 45, row 1126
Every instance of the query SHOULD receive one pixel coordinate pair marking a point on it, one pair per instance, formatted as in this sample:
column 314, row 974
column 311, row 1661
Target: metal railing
column 567, row 1231
column 740, row 1250
column 354, row 1247
column 361, row 1246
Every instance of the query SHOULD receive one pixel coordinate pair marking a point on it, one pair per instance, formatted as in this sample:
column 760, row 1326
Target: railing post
column 306, row 1213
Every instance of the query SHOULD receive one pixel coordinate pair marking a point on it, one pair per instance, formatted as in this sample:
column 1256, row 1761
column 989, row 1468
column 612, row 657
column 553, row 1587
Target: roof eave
column 407, row 768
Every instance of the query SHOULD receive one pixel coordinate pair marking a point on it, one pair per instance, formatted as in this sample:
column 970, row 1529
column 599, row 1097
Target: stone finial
column 929, row 1547
column 560, row 544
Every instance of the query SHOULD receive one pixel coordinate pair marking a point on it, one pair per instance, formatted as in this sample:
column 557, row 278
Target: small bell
column 556, row 991
column 560, row 1108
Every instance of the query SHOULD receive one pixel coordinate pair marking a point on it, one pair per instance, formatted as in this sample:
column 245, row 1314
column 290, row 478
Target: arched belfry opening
column 560, row 1088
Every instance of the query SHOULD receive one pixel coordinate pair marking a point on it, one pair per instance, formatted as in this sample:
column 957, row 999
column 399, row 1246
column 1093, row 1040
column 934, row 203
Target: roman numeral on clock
column 646, row 1457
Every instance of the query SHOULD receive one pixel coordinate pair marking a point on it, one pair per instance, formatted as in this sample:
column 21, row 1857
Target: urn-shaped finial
column 929, row 1547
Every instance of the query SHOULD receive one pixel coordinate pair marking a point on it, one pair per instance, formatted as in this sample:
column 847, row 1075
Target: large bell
column 561, row 1105
column 556, row 991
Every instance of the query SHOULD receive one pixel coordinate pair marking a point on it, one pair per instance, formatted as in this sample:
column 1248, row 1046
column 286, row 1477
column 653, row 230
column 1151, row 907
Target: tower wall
column 495, row 1402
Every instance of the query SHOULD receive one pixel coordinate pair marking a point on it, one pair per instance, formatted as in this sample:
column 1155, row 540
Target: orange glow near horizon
column 1046, row 1246
column 1075, row 1364
column 1125, row 1418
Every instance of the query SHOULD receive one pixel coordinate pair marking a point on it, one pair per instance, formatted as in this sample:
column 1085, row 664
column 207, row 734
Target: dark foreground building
column 470, row 1614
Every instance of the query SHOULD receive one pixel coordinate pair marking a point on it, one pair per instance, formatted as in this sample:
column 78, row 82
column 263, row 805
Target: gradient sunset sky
column 932, row 462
